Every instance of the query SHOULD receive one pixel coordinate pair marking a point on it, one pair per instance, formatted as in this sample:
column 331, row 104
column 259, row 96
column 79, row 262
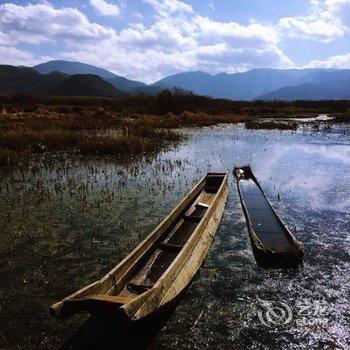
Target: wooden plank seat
column 198, row 213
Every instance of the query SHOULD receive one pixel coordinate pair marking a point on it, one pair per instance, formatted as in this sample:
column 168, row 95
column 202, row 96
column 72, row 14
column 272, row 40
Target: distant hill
column 331, row 90
column 236, row 86
column 84, row 85
column 75, row 78
column 325, row 76
column 125, row 84
column 24, row 80
column 27, row 81
column 133, row 86
column 72, row 68
column 248, row 85
column 194, row 81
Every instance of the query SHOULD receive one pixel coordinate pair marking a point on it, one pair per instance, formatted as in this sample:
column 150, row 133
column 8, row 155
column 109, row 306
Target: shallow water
column 64, row 224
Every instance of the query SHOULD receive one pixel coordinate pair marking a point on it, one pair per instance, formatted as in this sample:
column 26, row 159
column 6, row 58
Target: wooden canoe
column 274, row 246
column 159, row 269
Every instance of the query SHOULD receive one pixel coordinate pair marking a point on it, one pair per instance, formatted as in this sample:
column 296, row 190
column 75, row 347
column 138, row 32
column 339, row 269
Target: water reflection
column 65, row 223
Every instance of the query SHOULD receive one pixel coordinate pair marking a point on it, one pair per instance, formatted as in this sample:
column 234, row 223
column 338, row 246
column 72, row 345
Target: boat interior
column 265, row 223
column 163, row 252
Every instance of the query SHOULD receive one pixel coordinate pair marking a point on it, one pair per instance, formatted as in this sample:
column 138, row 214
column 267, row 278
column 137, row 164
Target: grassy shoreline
column 128, row 126
column 92, row 131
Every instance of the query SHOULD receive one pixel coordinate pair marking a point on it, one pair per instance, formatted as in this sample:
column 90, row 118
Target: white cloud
column 252, row 35
column 161, row 34
column 39, row 23
column 327, row 21
column 318, row 29
column 17, row 57
column 340, row 9
column 104, row 8
column 339, row 61
column 166, row 7
column 178, row 39
column 176, row 44
column 219, row 58
column 5, row 39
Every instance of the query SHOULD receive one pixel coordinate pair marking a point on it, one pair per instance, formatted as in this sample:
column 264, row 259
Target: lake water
column 64, row 223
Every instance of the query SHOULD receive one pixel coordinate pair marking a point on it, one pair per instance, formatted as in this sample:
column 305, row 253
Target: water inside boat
column 264, row 221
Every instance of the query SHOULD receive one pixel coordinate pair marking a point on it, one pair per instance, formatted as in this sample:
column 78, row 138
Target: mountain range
column 75, row 78
column 24, row 80
column 266, row 84
column 70, row 68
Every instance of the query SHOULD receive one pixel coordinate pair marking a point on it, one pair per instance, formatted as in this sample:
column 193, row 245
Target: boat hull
column 267, row 256
column 110, row 297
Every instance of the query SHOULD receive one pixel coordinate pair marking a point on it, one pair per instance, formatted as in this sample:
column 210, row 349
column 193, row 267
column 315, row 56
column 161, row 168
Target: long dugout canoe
column 160, row 268
column 274, row 246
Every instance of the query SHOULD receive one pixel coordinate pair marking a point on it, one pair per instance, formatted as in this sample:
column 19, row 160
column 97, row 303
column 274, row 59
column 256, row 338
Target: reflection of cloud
column 340, row 153
column 316, row 181
column 300, row 169
column 312, row 188
column 264, row 167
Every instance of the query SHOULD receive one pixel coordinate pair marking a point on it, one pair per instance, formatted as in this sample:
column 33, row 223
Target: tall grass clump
column 342, row 117
column 271, row 125
column 86, row 131
column 133, row 124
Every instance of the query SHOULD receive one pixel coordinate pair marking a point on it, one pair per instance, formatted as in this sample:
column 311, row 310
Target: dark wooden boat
column 160, row 268
column 274, row 246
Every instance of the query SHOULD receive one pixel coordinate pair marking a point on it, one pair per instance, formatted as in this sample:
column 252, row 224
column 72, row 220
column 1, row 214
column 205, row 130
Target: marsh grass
column 92, row 131
column 342, row 117
column 140, row 124
column 84, row 133
column 271, row 125
column 5, row 157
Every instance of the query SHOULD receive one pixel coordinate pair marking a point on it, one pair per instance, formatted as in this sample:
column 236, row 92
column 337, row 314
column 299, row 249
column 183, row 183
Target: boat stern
column 100, row 306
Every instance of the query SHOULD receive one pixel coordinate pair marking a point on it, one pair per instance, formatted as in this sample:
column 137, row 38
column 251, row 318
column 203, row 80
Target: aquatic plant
column 92, row 131
column 271, row 124
column 342, row 117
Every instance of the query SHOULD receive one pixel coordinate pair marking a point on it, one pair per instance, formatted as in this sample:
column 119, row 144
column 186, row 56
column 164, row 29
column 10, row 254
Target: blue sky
column 149, row 39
